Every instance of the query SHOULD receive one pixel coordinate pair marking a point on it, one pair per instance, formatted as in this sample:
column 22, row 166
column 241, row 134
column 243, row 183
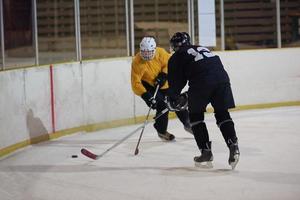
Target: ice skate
column 205, row 159
column 234, row 155
column 166, row 136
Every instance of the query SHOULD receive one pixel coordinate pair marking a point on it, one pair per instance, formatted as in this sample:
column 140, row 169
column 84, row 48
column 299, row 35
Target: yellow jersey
column 147, row 71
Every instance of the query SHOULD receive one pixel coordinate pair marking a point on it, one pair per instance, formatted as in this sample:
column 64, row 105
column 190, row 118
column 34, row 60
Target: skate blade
column 233, row 164
column 204, row 165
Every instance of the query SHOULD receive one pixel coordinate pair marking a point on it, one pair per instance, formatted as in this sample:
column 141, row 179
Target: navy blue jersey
column 195, row 65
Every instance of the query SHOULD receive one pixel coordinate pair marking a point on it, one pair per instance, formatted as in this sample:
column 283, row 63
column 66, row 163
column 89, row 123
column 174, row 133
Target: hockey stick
column 94, row 156
column 136, row 151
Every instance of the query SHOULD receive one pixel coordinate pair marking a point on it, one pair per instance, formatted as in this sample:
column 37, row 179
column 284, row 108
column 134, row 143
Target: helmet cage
column 147, row 54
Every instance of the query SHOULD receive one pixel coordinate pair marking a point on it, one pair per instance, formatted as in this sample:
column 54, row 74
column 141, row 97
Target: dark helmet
column 180, row 39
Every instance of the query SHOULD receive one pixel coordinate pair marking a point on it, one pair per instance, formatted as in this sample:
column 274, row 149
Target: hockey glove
column 161, row 79
column 150, row 101
column 178, row 103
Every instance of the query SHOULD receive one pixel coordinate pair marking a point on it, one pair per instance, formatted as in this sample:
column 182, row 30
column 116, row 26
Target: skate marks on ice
column 185, row 171
column 267, row 177
column 67, row 168
column 150, row 143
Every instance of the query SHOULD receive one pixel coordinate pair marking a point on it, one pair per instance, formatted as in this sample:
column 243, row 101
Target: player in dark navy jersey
column 208, row 83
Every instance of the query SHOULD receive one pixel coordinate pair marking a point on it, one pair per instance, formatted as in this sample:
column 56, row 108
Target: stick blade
column 89, row 154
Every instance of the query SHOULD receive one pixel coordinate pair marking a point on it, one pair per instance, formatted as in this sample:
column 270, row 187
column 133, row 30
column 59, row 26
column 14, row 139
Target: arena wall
column 97, row 94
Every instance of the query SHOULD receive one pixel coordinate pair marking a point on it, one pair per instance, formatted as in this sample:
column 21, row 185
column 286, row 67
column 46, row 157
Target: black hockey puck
column 74, row 156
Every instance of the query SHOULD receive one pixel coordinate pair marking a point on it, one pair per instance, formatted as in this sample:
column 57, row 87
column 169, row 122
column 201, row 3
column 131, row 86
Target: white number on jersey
column 200, row 53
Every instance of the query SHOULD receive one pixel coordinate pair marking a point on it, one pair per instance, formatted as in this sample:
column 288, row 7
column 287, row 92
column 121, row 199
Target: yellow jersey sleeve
column 137, row 72
column 164, row 57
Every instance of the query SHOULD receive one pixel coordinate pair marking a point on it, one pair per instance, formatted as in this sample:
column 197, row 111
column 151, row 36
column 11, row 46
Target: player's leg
column 226, row 125
column 197, row 102
column 161, row 124
column 202, row 139
column 222, row 100
column 183, row 116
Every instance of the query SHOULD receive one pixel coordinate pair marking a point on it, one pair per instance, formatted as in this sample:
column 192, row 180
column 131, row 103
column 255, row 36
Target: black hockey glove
column 178, row 103
column 150, row 101
column 161, row 79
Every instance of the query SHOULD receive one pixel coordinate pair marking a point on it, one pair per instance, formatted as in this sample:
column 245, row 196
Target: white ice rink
column 269, row 167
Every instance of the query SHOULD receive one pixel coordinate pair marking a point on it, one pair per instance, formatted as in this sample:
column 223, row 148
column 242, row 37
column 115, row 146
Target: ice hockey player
column 149, row 70
column 208, row 83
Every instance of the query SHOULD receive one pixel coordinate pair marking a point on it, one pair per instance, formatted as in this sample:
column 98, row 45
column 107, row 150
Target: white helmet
column 147, row 48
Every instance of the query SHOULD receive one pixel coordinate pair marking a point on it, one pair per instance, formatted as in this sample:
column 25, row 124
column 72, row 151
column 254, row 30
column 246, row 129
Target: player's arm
column 176, row 77
column 136, row 79
column 164, row 56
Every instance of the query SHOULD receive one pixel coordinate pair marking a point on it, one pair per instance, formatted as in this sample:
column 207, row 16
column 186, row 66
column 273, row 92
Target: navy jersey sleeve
column 176, row 76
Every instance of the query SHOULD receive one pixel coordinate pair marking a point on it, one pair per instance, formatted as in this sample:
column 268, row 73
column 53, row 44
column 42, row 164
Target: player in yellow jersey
column 149, row 69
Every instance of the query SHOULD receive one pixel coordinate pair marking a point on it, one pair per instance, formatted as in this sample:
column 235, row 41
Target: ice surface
column 269, row 166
